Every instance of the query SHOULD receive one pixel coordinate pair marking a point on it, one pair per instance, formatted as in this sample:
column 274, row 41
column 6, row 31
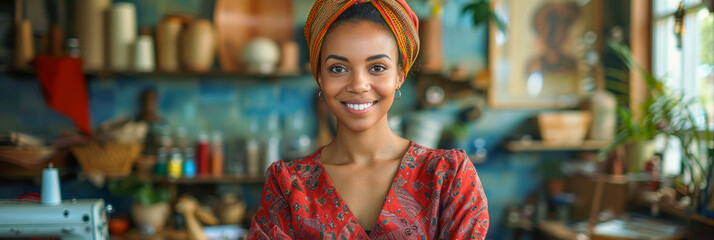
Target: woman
column 368, row 182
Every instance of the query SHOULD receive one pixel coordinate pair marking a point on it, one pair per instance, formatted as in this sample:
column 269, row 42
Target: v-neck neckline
column 390, row 192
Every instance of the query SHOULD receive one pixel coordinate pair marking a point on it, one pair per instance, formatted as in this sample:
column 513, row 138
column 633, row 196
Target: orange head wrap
column 396, row 13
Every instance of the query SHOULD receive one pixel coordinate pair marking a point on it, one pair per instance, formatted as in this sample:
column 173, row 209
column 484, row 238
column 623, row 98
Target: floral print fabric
column 436, row 194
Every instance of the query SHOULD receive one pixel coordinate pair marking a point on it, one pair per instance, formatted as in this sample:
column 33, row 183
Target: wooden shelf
column 210, row 73
column 535, row 146
column 211, row 179
column 157, row 74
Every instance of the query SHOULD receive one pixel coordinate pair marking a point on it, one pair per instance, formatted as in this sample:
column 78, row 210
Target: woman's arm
column 464, row 210
column 273, row 218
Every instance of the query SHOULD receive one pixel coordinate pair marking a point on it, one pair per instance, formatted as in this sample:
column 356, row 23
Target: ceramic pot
column 150, row 216
column 167, row 44
column 638, row 153
column 290, row 57
column 431, row 51
column 604, row 115
column 198, row 48
column 261, row 55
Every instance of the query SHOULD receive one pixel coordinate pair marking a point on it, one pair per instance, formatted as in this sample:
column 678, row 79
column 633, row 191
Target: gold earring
column 400, row 94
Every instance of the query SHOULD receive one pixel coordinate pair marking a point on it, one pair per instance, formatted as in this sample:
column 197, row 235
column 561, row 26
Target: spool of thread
column 50, row 186
column 122, row 35
column 24, row 47
column 144, row 54
column 90, row 31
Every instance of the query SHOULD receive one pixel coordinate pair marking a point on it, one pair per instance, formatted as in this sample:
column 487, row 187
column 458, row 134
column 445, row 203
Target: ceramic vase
column 153, row 216
column 638, row 153
column 431, row 53
column 167, row 44
column 198, row 48
column 261, row 55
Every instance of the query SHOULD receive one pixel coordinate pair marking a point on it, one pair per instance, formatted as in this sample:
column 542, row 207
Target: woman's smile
column 359, row 107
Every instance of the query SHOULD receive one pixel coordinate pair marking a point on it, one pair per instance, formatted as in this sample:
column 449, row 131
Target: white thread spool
column 144, row 54
column 122, row 35
column 50, row 186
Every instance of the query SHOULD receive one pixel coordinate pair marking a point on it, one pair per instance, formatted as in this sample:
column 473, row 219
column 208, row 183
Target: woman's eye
column 337, row 69
column 379, row 68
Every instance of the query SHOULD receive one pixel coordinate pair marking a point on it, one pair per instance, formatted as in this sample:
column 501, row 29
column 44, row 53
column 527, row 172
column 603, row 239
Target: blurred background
column 585, row 119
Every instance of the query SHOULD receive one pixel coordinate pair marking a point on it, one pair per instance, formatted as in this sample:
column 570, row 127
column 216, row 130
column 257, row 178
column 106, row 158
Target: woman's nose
column 359, row 82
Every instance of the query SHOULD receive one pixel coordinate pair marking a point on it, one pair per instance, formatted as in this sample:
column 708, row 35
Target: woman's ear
column 400, row 78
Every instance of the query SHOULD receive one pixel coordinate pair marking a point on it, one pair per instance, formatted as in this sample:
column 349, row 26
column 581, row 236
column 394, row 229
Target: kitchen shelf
column 535, row 146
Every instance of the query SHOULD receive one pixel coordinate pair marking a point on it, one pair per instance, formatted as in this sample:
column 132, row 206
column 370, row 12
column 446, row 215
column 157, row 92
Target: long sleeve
column 272, row 221
column 464, row 210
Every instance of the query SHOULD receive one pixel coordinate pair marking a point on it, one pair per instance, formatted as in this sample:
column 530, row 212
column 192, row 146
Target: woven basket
column 109, row 158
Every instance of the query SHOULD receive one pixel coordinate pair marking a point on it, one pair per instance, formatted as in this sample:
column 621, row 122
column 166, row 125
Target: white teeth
column 359, row 107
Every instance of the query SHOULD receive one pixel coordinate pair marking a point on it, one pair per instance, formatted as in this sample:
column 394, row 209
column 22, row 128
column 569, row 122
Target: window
column 686, row 61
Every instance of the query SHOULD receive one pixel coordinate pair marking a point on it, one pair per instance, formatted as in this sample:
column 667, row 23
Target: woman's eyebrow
column 378, row 56
column 340, row 58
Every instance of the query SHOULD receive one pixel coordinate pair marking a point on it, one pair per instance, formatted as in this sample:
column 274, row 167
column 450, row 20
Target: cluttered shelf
column 530, row 146
column 201, row 179
column 211, row 74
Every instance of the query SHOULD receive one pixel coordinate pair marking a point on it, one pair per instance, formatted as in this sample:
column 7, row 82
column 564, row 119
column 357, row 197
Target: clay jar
column 198, row 46
column 167, row 44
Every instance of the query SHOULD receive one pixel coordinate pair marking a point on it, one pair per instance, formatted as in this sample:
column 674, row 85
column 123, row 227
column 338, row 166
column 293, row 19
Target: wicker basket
column 566, row 127
column 109, row 158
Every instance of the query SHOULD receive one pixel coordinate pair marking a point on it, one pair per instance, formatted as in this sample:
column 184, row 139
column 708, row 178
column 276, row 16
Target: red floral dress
column 436, row 194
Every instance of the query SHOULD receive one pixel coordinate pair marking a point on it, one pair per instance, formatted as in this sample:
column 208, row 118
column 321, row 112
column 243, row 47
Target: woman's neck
column 365, row 147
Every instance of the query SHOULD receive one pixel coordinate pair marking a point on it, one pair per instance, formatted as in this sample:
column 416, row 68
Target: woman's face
column 359, row 73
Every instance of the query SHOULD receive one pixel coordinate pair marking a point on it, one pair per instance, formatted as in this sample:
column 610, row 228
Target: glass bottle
column 175, row 164
column 189, row 165
column 161, row 161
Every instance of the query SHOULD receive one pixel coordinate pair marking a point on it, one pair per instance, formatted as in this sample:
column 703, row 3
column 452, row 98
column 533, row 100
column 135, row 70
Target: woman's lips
column 358, row 108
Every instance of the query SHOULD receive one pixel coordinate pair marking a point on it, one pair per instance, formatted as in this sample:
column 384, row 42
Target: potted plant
column 665, row 112
column 554, row 176
column 151, row 208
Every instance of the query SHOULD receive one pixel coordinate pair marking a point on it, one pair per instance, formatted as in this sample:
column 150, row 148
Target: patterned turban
column 399, row 17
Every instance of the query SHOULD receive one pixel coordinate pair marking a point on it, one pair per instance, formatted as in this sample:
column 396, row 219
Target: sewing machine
column 51, row 217
column 70, row 220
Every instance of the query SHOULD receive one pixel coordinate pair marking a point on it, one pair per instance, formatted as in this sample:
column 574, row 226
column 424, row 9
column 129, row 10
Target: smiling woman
column 368, row 182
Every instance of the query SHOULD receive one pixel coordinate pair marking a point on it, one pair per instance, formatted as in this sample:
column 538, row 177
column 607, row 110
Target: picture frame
column 536, row 60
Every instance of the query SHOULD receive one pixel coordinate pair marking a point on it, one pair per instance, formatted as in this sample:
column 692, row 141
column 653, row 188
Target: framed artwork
column 536, row 60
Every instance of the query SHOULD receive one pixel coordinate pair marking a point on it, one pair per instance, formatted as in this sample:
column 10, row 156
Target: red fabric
column 436, row 194
column 64, row 88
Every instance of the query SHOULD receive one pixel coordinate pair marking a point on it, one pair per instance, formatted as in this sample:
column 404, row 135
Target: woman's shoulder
column 443, row 158
column 288, row 168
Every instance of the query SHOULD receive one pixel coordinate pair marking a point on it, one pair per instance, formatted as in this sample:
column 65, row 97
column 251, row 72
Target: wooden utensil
column 238, row 21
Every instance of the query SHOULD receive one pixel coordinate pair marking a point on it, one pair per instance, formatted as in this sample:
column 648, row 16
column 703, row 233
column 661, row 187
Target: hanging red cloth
column 64, row 88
